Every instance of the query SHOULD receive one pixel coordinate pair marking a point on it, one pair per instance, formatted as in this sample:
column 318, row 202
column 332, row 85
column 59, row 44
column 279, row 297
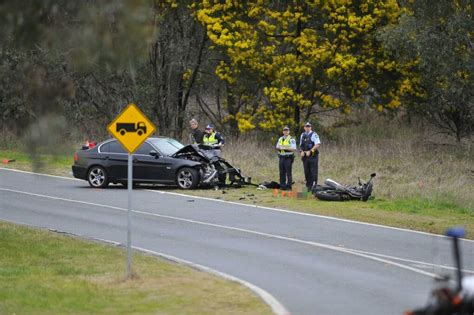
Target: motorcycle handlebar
column 455, row 234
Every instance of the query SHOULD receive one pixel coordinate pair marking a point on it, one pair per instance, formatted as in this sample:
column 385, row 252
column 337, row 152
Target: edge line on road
column 225, row 227
column 266, row 297
column 255, row 206
column 413, row 261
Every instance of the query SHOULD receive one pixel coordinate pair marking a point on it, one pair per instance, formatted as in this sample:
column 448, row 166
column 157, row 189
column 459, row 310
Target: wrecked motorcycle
column 333, row 191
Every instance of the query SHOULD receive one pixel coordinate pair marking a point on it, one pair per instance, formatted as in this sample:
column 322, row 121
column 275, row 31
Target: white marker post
column 129, row 216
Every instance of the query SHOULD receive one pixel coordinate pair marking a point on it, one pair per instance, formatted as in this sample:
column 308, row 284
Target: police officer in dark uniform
column 309, row 144
column 286, row 146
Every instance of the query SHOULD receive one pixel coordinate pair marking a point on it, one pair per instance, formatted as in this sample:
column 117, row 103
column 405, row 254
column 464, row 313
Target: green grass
column 46, row 163
column 45, row 273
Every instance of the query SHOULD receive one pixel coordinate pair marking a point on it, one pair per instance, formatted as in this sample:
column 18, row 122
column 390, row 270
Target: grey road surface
column 311, row 264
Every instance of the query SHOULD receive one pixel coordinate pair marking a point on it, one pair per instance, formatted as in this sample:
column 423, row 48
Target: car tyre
column 97, row 177
column 187, row 178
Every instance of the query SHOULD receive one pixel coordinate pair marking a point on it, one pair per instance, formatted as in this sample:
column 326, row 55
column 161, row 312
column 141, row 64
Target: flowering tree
column 303, row 57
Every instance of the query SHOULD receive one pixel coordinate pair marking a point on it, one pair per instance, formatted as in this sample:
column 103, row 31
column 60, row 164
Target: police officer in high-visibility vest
column 213, row 139
column 286, row 146
column 309, row 144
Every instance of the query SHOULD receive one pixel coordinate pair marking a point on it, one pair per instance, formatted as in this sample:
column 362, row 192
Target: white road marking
column 256, row 207
column 418, row 263
column 269, row 299
column 301, row 213
column 349, row 251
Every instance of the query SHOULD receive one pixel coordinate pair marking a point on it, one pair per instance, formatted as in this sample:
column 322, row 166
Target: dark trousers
column 286, row 165
column 310, row 165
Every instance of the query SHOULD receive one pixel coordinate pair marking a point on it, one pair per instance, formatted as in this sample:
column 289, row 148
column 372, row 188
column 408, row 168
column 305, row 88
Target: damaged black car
column 159, row 160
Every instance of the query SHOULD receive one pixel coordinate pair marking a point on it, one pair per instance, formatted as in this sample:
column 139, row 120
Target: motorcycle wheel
column 329, row 195
column 368, row 191
column 322, row 187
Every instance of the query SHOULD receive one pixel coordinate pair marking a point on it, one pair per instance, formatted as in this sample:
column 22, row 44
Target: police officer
column 196, row 135
column 286, row 147
column 309, row 144
column 213, row 139
column 216, row 141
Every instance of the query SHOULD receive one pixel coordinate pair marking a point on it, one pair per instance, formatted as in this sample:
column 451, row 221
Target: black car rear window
column 112, row 147
column 167, row 146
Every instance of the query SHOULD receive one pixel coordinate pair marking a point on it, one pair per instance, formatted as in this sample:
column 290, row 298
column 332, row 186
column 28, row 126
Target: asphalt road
column 311, row 264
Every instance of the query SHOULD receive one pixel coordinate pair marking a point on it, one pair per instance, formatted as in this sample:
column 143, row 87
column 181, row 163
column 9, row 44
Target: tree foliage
column 242, row 65
column 112, row 52
column 176, row 57
column 439, row 37
column 304, row 56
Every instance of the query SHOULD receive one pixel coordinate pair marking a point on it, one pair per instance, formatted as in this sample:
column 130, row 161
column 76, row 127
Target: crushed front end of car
column 214, row 170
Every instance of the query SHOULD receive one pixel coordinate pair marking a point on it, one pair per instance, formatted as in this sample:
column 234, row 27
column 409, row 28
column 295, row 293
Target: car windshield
column 167, row 146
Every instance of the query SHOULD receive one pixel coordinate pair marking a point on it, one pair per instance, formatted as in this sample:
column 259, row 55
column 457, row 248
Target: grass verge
column 45, row 273
column 44, row 163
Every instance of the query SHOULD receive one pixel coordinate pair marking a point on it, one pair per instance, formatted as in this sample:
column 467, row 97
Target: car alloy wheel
column 97, row 177
column 187, row 178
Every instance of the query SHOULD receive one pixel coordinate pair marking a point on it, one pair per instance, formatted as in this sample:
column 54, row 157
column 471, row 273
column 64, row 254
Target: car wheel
column 187, row 178
column 97, row 177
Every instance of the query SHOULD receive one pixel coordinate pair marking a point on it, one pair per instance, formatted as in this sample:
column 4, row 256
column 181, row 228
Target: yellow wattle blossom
column 187, row 74
column 302, row 54
column 394, row 103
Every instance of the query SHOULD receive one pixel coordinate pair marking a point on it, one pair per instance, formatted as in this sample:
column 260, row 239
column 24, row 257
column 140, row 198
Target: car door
column 116, row 159
column 146, row 167
column 165, row 169
column 157, row 169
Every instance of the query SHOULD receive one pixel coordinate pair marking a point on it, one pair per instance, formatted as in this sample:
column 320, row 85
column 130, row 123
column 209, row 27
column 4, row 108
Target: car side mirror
column 154, row 154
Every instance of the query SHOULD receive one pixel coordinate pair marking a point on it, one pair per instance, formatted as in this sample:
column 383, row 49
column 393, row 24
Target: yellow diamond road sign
column 131, row 128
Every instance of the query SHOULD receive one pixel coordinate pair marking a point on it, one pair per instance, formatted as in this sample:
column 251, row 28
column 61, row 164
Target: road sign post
column 129, row 216
column 131, row 128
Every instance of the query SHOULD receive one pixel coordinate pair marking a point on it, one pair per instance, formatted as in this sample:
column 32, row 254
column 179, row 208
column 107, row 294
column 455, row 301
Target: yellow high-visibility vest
column 284, row 142
column 210, row 139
